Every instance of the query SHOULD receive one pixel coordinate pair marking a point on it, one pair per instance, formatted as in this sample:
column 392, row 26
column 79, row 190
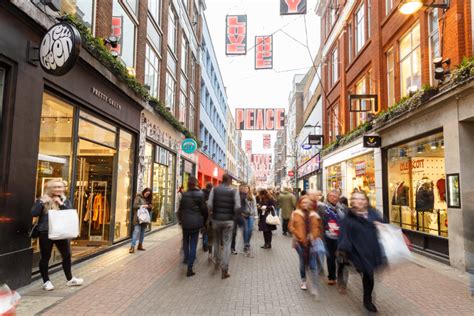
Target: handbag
column 143, row 215
column 63, row 224
column 272, row 219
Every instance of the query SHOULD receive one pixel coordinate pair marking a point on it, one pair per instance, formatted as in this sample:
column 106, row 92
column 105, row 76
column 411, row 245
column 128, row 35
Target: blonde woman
column 54, row 199
column 249, row 211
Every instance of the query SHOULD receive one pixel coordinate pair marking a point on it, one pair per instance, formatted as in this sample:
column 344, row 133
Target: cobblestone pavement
column 154, row 283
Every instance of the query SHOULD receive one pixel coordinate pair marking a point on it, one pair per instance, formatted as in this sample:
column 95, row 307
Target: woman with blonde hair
column 249, row 211
column 305, row 225
column 53, row 199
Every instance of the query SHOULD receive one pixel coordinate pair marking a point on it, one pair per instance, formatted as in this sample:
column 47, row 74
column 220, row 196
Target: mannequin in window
column 401, row 194
column 425, row 195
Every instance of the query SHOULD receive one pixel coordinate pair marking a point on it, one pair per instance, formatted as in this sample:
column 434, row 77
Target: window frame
column 334, row 57
column 390, row 53
column 431, row 35
column 409, row 56
column 159, row 8
column 149, row 48
column 134, row 21
column 172, row 16
column 360, row 22
column 388, row 6
column 172, row 106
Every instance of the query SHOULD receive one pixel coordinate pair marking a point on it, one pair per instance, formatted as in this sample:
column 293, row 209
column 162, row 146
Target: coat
column 262, row 216
column 287, row 203
column 301, row 233
column 192, row 211
column 358, row 240
column 139, row 201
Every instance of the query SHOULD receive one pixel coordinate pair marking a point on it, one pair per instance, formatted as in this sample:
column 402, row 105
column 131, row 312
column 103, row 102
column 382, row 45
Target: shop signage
column 372, row 141
column 259, row 118
column 306, row 146
column 189, row 145
column 267, row 139
column 106, row 98
column 316, row 140
column 288, row 7
column 261, row 167
column 412, row 164
column 236, row 35
column 310, row 166
column 156, row 130
column 360, row 167
column 264, row 52
column 59, row 49
column 291, row 173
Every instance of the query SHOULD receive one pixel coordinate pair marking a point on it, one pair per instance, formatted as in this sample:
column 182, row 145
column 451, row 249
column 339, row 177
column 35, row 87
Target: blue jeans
column 248, row 228
column 277, row 209
column 138, row 232
column 313, row 266
column 190, row 241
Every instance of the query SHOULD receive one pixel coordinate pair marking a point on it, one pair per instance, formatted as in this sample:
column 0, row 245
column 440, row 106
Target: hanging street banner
column 267, row 139
column 236, row 35
column 259, row 119
column 248, row 146
column 264, row 52
column 288, row 7
column 261, row 165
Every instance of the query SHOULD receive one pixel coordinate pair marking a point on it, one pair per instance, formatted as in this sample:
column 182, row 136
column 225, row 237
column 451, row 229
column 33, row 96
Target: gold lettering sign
column 106, row 98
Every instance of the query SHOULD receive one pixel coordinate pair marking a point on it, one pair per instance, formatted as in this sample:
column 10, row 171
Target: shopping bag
column 272, row 220
column 143, row 215
column 63, row 224
column 393, row 244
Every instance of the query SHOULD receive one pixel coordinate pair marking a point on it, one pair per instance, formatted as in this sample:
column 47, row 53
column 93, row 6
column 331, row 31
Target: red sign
column 267, row 139
column 360, row 168
column 248, row 146
column 292, row 7
column 261, row 166
column 264, row 52
column 117, row 22
column 236, row 35
column 259, row 119
column 291, row 173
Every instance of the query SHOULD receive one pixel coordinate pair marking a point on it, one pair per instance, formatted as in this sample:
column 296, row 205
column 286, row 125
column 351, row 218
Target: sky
column 249, row 88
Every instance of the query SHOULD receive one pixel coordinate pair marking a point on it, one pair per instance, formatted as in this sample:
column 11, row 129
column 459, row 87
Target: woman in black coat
column 267, row 206
column 359, row 244
column 192, row 214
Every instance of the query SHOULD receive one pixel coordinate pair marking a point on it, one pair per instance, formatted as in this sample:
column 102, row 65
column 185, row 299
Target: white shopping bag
column 393, row 244
column 63, row 224
column 143, row 215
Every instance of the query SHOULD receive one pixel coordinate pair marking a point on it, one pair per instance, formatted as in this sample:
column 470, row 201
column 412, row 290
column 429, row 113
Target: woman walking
column 267, row 206
column 249, row 211
column 54, row 199
column 142, row 200
column 192, row 214
column 359, row 244
column 305, row 226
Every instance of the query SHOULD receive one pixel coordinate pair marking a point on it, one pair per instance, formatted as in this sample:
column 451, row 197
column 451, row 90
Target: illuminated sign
column 259, row 119
column 236, row 35
column 264, row 52
column 288, row 7
column 372, row 141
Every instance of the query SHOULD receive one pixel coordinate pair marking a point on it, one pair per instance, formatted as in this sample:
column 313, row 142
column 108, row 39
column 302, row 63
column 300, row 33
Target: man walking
column 224, row 203
column 287, row 203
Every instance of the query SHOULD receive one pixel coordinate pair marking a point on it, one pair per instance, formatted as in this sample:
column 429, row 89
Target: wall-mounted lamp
column 439, row 71
column 412, row 6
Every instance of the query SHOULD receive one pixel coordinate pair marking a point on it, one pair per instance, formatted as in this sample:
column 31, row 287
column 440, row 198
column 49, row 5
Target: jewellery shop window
column 417, row 185
column 334, row 177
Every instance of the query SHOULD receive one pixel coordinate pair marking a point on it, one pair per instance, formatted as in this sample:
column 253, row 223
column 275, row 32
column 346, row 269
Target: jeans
column 239, row 221
column 222, row 234
column 248, row 228
column 138, row 232
column 267, row 237
column 285, row 225
column 313, row 266
column 46, row 247
column 190, row 241
column 277, row 210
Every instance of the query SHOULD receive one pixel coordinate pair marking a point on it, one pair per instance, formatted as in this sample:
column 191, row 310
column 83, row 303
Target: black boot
column 370, row 306
column 190, row 272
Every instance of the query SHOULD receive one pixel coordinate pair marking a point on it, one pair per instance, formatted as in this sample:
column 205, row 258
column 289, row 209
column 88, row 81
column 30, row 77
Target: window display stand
column 94, row 185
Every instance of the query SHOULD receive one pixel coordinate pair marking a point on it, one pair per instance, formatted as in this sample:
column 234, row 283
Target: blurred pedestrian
column 207, row 229
column 343, row 200
column 192, row 214
column 287, row 203
column 142, row 200
column 359, row 244
column 267, row 206
column 249, row 211
column 223, row 203
column 54, row 199
column 306, row 229
column 277, row 206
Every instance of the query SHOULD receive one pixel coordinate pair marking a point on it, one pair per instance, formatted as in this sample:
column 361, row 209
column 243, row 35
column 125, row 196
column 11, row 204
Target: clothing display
column 441, row 186
column 424, row 195
column 96, row 207
column 401, row 194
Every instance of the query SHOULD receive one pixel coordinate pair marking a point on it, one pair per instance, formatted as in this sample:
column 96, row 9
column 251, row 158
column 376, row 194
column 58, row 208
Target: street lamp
column 408, row 7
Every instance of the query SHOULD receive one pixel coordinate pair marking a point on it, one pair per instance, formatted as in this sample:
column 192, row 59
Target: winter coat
column 38, row 210
column 139, row 201
column 358, row 240
column 224, row 202
column 262, row 216
column 287, row 203
column 298, row 227
column 192, row 211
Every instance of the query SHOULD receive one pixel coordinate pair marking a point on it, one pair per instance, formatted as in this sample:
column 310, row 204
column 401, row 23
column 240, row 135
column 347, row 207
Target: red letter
column 280, row 118
column 259, row 124
column 239, row 118
column 249, row 119
column 270, row 119
column 293, row 5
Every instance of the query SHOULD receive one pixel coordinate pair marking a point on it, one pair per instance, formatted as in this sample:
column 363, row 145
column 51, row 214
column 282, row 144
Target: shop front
column 351, row 169
column 208, row 171
column 309, row 174
column 187, row 167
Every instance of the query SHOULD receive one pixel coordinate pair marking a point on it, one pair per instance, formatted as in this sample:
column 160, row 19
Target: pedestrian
column 277, row 207
column 223, row 203
column 332, row 217
column 358, row 243
column 192, row 214
column 306, row 229
column 303, row 193
column 267, row 206
column 54, row 199
column 142, row 200
column 249, row 211
column 207, row 229
column 287, row 203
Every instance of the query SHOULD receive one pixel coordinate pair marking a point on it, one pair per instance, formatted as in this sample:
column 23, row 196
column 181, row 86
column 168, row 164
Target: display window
column 417, row 185
column 334, row 178
column 360, row 176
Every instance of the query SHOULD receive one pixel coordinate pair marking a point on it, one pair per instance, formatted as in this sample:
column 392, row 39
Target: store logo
column 189, row 146
column 412, row 164
column 372, row 141
column 59, row 49
column 106, row 98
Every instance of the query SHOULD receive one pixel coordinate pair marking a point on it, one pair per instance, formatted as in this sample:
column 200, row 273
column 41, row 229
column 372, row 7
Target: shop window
column 124, row 196
column 334, row 178
column 172, row 30
column 360, row 28
column 124, row 28
column 148, row 165
column 95, row 133
column 152, row 71
column 170, row 92
column 390, row 58
column 154, row 7
column 417, row 185
column 435, row 50
column 360, row 176
column 410, row 61
column 82, row 9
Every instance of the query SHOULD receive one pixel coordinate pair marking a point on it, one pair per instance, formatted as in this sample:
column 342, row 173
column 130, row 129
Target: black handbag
column 34, row 231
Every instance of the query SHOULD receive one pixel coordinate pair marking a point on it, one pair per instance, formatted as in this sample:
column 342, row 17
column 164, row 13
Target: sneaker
column 75, row 282
column 48, row 286
column 303, row 286
column 234, row 252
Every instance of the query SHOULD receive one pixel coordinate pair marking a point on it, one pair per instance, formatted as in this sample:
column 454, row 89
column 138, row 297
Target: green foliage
column 464, row 71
